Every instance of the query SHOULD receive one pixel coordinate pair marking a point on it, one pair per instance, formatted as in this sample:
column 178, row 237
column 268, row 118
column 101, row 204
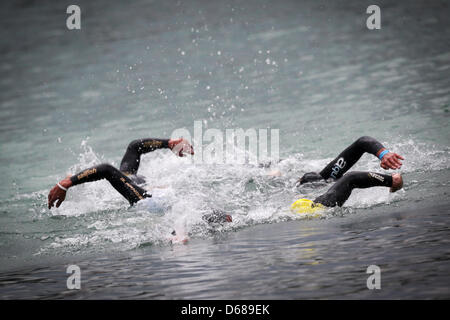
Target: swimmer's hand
column 309, row 177
column 58, row 194
column 392, row 161
column 180, row 147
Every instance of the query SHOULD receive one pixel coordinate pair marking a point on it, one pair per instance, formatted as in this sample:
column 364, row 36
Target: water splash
column 99, row 218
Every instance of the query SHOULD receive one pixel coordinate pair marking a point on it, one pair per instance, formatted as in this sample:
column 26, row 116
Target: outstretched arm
column 347, row 158
column 118, row 180
column 132, row 158
column 342, row 189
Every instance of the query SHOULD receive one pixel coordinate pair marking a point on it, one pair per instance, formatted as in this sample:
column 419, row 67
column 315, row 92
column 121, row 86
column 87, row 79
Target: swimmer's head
column 217, row 216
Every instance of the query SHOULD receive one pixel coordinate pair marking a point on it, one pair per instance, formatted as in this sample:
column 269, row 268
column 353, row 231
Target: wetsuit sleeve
column 132, row 158
column 118, row 180
column 342, row 189
column 347, row 158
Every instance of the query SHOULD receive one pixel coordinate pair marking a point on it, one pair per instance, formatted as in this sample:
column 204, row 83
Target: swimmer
column 126, row 180
column 345, row 183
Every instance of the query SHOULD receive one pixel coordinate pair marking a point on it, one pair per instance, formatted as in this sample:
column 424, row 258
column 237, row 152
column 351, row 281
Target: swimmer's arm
column 57, row 195
column 148, row 144
column 130, row 191
column 346, row 159
column 178, row 146
column 390, row 160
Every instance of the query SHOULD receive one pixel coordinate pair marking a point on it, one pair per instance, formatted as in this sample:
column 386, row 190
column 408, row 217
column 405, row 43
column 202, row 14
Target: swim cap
column 306, row 206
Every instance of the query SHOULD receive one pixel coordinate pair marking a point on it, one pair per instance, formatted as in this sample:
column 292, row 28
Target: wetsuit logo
column 86, row 173
column 340, row 164
column 376, row 176
column 153, row 144
column 132, row 189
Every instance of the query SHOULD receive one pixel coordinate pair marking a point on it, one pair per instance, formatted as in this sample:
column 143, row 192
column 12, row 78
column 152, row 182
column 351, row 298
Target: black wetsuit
column 125, row 181
column 335, row 170
column 342, row 189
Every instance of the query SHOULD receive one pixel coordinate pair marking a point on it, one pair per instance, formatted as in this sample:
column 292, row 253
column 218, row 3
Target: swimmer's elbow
column 364, row 140
column 369, row 144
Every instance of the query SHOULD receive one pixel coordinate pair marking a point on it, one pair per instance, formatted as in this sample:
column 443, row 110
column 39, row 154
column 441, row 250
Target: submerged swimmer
column 335, row 170
column 126, row 180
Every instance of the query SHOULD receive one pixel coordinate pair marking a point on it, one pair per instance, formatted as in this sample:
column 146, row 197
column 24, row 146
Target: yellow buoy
column 306, row 206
